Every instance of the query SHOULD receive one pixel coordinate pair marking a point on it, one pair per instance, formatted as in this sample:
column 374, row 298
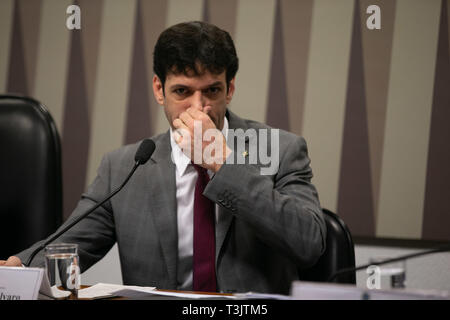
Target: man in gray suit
column 265, row 227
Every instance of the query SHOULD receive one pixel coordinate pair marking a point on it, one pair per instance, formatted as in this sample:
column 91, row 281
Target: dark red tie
column 204, row 270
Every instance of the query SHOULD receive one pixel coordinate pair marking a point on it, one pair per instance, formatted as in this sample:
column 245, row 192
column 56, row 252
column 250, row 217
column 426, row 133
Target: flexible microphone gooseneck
column 400, row 258
column 142, row 155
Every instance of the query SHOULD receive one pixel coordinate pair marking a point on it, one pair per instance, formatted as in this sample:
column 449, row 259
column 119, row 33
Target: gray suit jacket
column 268, row 227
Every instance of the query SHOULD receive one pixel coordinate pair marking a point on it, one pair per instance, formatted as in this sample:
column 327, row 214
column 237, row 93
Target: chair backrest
column 30, row 174
column 339, row 253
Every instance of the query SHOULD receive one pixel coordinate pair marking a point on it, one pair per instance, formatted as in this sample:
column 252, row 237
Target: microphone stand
column 400, row 258
column 79, row 218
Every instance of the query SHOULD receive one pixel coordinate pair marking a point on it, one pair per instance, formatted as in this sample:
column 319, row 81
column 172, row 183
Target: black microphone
column 400, row 258
column 144, row 152
column 142, row 155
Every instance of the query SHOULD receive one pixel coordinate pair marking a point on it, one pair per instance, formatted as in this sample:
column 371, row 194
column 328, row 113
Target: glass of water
column 63, row 267
column 386, row 276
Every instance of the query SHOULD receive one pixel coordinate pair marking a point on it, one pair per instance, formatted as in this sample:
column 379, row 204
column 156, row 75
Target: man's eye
column 180, row 91
column 213, row 90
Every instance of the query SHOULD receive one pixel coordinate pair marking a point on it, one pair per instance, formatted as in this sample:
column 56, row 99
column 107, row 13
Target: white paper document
column 105, row 290
column 47, row 292
column 256, row 295
column 142, row 292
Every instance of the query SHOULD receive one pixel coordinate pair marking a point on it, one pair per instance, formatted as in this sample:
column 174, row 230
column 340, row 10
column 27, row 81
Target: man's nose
column 198, row 100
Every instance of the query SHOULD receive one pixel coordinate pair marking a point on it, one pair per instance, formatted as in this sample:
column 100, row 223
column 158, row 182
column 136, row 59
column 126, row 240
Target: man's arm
column 283, row 209
column 95, row 234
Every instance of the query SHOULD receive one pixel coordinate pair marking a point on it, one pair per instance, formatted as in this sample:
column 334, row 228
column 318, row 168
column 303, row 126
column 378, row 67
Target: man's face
column 207, row 93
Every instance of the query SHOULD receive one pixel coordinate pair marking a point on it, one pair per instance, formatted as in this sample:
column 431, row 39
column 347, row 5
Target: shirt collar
column 179, row 158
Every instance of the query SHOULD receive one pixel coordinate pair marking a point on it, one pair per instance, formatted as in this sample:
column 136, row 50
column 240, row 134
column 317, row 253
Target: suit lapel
column 161, row 178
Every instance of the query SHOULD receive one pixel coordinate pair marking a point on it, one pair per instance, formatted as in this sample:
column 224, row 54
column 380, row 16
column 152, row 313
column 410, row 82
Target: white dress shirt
column 186, row 178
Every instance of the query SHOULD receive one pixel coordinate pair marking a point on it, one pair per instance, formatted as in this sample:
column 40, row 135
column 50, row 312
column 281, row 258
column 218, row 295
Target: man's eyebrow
column 176, row 86
column 179, row 85
column 215, row 84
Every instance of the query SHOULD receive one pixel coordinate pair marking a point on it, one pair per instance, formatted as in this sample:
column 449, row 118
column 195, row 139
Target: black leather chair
column 339, row 253
column 30, row 174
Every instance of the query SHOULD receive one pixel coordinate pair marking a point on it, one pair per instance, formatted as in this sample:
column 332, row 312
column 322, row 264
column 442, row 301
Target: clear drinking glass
column 63, row 267
column 386, row 276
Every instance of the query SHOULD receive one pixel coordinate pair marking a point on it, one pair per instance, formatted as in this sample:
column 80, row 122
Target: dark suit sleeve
column 95, row 235
column 283, row 208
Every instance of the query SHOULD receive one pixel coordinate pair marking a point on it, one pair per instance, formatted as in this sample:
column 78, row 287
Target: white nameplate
column 18, row 283
column 302, row 290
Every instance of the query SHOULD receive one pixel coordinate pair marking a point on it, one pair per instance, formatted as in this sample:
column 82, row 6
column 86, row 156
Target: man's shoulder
column 128, row 151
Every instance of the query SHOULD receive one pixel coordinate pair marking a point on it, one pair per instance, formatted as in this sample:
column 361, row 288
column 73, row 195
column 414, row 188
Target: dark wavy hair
column 195, row 46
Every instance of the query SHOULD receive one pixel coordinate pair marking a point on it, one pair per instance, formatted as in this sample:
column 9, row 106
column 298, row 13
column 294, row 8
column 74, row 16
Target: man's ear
column 158, row 90
column 230, row 90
